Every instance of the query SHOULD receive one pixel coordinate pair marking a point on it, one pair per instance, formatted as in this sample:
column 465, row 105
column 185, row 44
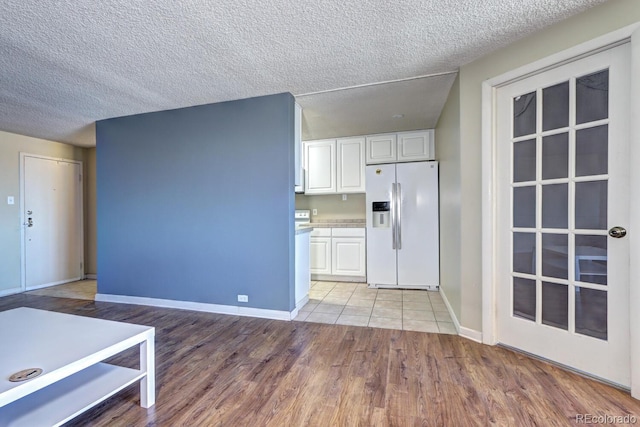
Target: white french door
column 563, row 204
column 52, row 221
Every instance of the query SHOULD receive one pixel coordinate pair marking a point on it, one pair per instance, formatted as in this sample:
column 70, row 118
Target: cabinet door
column 350, row 165
column 413, row 146
column 381, row 148
column 348, row 256
column 320, row 165
column 320, row 249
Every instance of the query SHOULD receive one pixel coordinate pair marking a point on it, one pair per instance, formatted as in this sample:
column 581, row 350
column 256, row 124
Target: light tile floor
column 82, row 289
column 355, row 304
column 339, row 303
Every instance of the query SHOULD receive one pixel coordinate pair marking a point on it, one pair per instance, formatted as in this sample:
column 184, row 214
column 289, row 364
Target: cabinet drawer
column 347, row 232
column 321, row 232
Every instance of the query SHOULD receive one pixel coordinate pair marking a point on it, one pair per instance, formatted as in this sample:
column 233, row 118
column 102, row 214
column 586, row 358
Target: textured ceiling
column 371, row 109
column 66, row 64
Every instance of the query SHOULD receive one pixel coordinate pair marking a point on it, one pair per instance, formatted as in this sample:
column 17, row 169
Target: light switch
column 10, row 200
column 344, row 197
column 315, row 212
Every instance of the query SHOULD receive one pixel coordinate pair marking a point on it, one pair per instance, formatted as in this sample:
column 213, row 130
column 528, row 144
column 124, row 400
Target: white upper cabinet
column 350, row 165
column 381, row 148
column 297, row 149
column 413, row 146
column 334, row 166
column 401, row 147
column 320, row 167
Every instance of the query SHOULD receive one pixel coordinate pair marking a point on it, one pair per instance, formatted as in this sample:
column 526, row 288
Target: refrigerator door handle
column 399, row 215
column 393, row 216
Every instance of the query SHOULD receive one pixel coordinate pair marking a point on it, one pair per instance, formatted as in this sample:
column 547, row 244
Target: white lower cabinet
column 347, row 256
column 320, row 249
column 338, row 252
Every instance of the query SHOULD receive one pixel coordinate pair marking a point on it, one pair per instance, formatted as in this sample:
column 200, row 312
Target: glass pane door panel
column 524, row 253
column 555, row 213
column 591, row 259
column 591, row 312
column 555, row 106
column 524, row 207
column 592, row 97
column 555, row 156
column 592, row 155
column 591, row 205
column 555, row 255
column 524, row 298
column 524, row 161
column 524, row 115
column 555, row 305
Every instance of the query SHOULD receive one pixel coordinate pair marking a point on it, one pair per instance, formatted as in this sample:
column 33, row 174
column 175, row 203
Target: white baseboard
column 467, row 333
column 332, row 278
column 302, row 302
column 456, row 323
column 11, row 291
column 59, row 282
column 471, row 334
column 91, row 276
column 200, row 306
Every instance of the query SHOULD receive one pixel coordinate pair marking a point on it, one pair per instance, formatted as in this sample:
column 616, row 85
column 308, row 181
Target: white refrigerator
column 402, row 225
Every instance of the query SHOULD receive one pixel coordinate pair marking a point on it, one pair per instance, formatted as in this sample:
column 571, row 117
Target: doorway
column 52, row 218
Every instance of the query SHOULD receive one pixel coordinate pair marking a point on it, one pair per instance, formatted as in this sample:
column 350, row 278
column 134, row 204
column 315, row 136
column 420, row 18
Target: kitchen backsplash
column 332, row 206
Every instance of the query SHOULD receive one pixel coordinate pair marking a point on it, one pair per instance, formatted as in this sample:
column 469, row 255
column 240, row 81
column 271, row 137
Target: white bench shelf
column 70, row 350
column 63, row 400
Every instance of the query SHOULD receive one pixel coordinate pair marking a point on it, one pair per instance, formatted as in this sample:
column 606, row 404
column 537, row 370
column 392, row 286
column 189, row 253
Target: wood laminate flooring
column 219, row 370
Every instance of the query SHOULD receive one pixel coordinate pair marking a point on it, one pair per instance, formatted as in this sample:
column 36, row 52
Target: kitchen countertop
column 304, row 228
column 330, row 223
column 339, row 223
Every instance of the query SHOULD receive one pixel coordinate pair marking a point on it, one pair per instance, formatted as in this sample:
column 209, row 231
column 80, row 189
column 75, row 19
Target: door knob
column 617, row 232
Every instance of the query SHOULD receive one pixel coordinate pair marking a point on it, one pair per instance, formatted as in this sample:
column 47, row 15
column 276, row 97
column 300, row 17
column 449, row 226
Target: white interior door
column 562, row 189
column 52, row 217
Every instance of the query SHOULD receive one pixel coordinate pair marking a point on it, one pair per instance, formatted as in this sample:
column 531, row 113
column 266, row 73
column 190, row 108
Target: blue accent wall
column 196, row 204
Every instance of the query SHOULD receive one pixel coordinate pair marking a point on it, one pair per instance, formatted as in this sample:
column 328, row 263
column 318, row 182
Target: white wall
column 11, row 145
column 448, row 154
column 90, row 231
column 331, row 206
column 597, row 21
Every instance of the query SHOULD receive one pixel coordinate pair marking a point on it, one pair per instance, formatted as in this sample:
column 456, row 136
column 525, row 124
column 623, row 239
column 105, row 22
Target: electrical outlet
column 344, row 197
column 243, row 298
column 315, row 212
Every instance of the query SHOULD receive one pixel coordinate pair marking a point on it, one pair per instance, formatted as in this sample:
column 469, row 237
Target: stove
column 302, row 216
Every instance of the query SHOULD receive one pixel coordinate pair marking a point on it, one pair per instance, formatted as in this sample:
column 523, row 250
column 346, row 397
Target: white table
column 70, row 350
